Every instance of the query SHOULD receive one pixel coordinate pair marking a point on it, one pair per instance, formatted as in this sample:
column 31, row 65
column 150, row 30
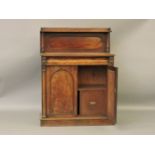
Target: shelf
column 92, row 87
column 77, row 54
column 54, row 29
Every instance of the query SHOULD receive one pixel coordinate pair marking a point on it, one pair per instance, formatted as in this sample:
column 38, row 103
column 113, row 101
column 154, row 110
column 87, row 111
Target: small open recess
column 92, row 77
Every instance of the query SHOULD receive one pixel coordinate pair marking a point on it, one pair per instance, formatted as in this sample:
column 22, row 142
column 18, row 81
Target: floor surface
column 27, row 122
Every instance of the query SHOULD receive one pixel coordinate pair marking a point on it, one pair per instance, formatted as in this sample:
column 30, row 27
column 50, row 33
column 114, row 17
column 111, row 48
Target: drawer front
column 93, row 102
column 79, row 61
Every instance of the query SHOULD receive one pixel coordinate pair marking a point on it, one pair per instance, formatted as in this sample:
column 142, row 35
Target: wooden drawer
column 93, row 102
column 79, row 61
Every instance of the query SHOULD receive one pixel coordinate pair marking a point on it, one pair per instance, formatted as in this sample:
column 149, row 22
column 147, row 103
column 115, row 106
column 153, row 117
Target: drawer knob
column 92, row 102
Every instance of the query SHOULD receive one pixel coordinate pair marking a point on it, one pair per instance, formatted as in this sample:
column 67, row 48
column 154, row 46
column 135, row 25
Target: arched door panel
column 61, row 88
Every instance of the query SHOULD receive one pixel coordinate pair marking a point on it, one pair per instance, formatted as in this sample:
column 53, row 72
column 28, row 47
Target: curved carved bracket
column 111, row 61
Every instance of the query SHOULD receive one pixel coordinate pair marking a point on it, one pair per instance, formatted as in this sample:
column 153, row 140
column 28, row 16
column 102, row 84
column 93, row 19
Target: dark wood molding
column 76, row 54
column 46, row 29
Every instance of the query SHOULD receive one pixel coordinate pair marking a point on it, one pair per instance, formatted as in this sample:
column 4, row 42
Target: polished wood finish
column 75, row 42
column 63, row 62
column 92, row 102
column 79, row 80
column 112, row 90
column 49, row 29
column 69, row 42
column 76, row 121
column 77, row 54
column 43, row 88
column 61, row 90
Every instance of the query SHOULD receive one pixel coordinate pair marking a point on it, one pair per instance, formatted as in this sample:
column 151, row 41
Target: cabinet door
column 61, row 90
column 112, row 93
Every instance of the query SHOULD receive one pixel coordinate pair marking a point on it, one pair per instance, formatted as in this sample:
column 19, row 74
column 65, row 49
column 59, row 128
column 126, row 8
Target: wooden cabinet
column 79, row 80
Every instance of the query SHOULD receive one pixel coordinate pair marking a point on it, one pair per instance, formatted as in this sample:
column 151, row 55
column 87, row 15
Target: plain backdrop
column 132, row 42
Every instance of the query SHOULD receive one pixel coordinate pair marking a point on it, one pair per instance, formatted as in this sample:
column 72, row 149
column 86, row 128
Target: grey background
column 133, row 43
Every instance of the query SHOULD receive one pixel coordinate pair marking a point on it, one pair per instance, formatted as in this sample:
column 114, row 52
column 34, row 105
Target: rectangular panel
column 112, row 93
column 93, row 102
column 75, row 42
column 61, row 91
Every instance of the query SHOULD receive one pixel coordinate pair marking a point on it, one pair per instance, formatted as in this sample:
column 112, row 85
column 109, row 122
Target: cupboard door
column 61, row 90
column 112, row 93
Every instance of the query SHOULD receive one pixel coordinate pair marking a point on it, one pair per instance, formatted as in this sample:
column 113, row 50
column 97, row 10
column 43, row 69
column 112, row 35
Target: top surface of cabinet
column 75, row 40
column 48, row 29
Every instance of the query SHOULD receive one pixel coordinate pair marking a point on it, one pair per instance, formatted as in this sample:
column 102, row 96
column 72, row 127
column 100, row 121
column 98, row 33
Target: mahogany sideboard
column 79, row 80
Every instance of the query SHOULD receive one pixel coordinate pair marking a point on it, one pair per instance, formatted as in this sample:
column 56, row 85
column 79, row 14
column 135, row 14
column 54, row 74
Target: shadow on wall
column 129, row 45
column 123, row 28
column 22, row 74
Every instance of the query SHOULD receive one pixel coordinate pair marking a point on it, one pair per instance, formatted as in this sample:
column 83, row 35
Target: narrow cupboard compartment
column 92, row 87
